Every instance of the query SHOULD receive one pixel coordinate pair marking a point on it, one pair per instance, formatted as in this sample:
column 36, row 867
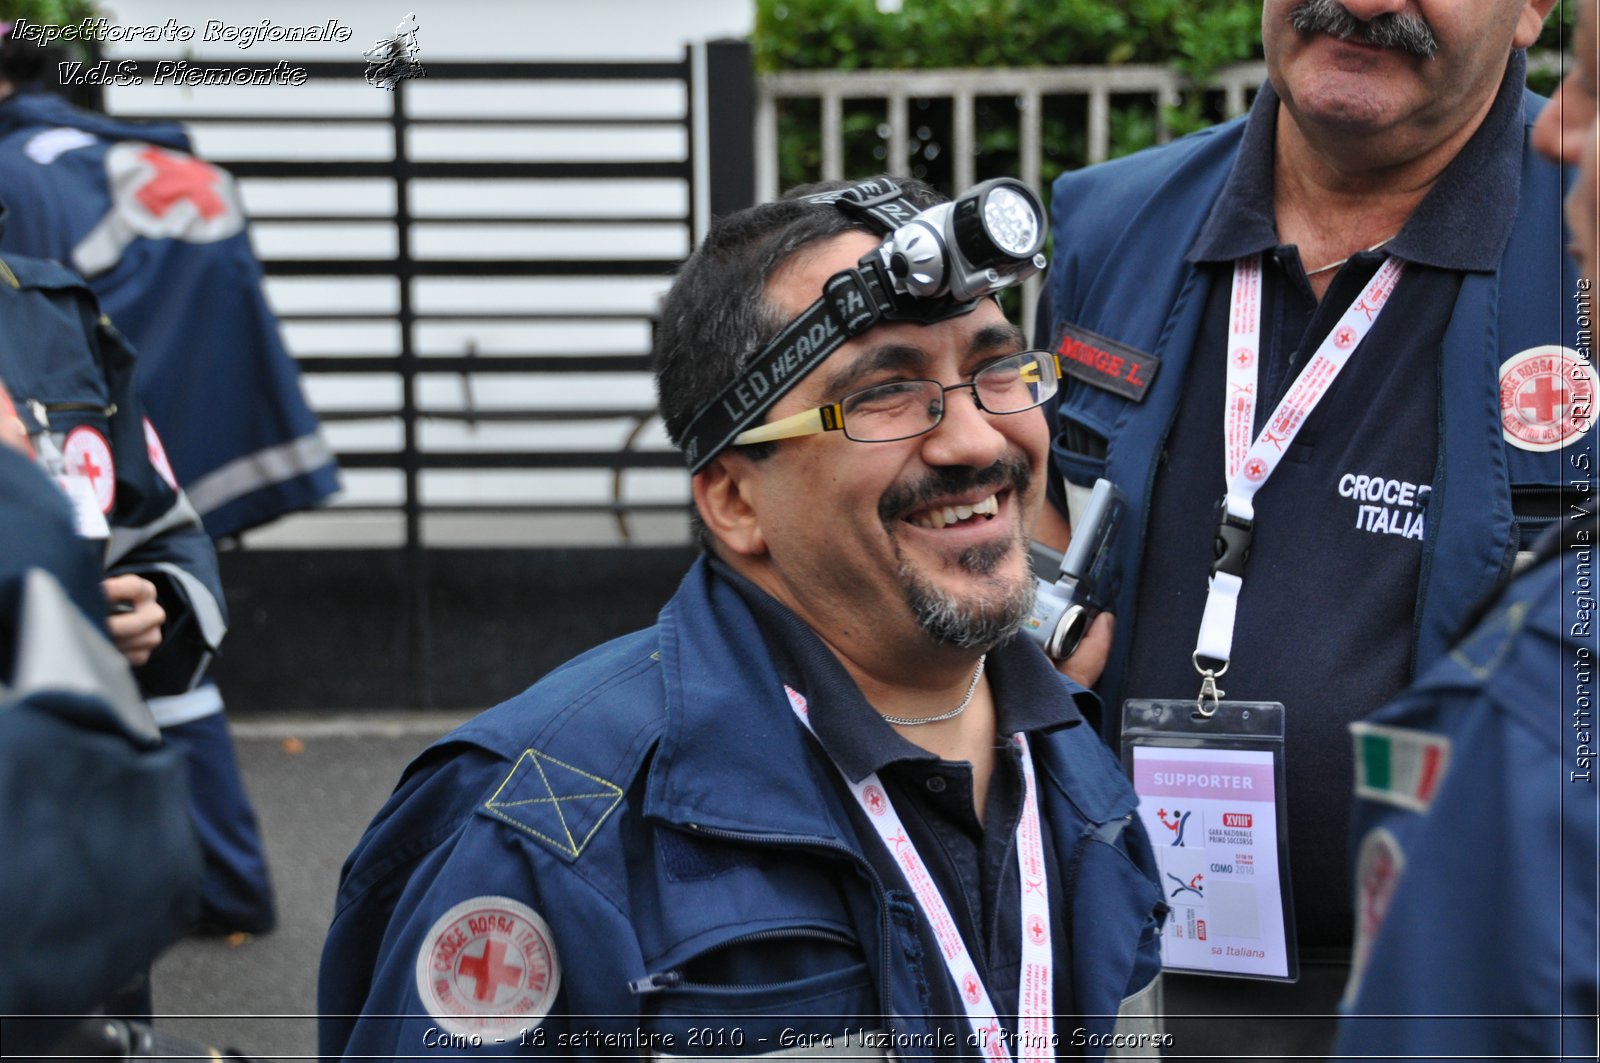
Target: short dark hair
column 716, row 317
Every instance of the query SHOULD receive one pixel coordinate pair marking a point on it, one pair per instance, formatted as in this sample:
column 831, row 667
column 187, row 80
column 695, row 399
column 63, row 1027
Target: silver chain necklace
column 1347, row 258
column 917, row 721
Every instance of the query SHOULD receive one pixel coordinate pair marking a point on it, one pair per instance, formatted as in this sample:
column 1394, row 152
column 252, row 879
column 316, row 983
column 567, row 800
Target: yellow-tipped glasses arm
column 809, row 423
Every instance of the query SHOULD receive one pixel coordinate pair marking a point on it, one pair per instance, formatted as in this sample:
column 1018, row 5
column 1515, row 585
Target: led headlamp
column 934, row 264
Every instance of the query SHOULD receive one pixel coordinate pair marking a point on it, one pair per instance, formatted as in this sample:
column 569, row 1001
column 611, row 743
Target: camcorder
column 1079, row 585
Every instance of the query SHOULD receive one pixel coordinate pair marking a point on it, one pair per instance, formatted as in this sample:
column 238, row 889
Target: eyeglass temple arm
column 810, row 422
column 1031, row 371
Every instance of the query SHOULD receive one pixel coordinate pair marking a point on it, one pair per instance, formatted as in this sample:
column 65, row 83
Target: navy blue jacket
column 67, row 369
column 1476, row 886
column 91, row 803
column 658, row 804
column 161, row 237
column 1121, row 233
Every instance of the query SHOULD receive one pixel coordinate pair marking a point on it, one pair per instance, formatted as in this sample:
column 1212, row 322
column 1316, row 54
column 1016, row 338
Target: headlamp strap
column 853, row 300
column 878, row 199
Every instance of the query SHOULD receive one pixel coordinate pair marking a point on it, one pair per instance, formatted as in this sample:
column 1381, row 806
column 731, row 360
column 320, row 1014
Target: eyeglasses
column 904, row 409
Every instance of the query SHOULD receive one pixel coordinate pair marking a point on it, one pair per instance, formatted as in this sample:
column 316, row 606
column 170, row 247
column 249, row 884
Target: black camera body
column 1088, row 579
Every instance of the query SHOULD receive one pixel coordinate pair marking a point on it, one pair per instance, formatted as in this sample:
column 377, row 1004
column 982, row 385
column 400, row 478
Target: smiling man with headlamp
column 831, row 801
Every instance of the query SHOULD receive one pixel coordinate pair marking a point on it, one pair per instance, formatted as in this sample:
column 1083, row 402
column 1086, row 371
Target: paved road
column 260, row 996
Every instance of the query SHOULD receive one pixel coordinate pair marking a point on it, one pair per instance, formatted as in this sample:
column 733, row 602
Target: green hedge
column 1193, row 36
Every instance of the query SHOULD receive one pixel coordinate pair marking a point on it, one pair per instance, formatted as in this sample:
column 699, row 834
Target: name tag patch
column 1104, row 363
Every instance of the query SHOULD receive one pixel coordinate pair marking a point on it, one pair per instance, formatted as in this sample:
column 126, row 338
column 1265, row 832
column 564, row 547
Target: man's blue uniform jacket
column 1476, row 876
column 655, row 801
column 161, row 237
column 101, row 868
column 67, row 367
column 1121, row 234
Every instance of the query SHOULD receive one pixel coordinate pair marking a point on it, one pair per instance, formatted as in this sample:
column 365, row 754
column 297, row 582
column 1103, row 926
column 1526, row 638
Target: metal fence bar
column 897, row 159
column 1095, row 84
column 408, row 247
column 832, row 136
column 963, row 138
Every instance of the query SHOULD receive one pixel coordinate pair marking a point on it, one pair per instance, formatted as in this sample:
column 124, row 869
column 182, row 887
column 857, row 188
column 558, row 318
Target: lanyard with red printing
column 1035, row 1010
column 1249, row 459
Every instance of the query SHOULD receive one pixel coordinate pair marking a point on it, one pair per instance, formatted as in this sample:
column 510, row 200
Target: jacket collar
column 1463, row 224
column 32, row 109
column 733, row 758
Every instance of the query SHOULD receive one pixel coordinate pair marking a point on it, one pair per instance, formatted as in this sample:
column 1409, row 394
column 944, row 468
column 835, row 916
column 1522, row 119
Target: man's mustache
column 1011, row 470
column 1403, row 32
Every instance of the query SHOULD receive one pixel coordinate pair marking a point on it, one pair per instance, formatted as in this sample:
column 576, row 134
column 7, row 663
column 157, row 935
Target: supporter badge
column 1379, row 864
column 1547, row 398
column 488, row 968
column 1104, row 363
column 88, row 456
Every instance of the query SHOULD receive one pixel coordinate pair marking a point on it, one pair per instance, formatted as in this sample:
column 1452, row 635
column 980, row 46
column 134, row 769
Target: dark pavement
column 315, row 795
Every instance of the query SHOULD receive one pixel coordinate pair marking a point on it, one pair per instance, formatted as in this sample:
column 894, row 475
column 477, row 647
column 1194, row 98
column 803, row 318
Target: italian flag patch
column 1399, row 766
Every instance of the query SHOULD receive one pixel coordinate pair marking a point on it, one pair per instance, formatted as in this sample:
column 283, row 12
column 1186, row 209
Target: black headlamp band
column 853, row 301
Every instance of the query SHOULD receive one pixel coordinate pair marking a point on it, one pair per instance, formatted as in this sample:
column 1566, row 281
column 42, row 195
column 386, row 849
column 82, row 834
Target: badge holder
column 1210, row 779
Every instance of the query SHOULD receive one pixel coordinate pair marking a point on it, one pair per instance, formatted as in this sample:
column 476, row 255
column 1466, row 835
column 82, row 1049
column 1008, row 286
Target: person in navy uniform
column 70, row 374
column 161, row 238
column 1389, row 134
column 1475, row 825
column 102, row 869
column 832, row 801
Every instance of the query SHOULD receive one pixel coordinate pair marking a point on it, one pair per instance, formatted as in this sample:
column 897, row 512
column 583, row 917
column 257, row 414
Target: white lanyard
column 1250, row 460
column 1035, row 1004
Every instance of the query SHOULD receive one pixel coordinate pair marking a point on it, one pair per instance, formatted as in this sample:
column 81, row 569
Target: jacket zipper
column 41, row 411
column 653, row 983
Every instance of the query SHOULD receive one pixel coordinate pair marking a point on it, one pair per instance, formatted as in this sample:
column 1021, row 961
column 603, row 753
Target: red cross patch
column 1037, row 932
column 1255, row 469
column 87, row 454
column 1547, row 398
column 1344, row 338
column 158, row 455
column 158, row 194
column 1379, row 864
column 488, row 968
column 1243, row 356
column 876, row 802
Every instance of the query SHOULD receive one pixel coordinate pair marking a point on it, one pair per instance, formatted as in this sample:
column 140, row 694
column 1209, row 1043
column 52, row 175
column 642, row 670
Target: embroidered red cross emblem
column 1543, row 399
column 89, row 470
column 489, row 971
column 178, row 178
